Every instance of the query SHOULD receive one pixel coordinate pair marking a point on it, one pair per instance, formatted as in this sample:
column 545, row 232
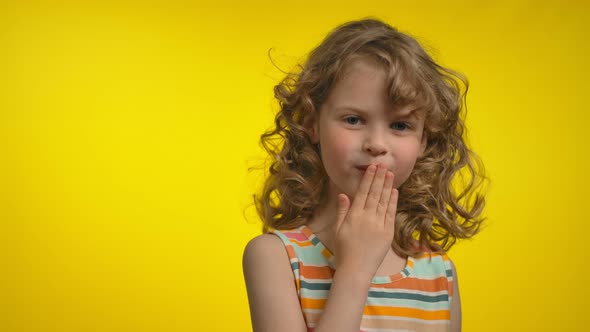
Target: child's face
column 358, row 126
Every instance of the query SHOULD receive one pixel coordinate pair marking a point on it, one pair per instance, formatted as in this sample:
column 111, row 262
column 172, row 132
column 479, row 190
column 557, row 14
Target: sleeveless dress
column 416, row 299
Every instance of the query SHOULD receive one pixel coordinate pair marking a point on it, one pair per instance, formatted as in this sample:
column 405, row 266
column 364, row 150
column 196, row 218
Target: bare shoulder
column 263, row 252
column 272, row 295
column 263, row 244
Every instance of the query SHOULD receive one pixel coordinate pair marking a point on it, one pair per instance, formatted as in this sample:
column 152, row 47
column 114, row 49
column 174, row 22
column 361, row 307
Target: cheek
column 336, row 147
column 411, row 151
column 407, row 154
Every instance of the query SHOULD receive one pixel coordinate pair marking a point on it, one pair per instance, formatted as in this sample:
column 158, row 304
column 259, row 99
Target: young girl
column 358, row 208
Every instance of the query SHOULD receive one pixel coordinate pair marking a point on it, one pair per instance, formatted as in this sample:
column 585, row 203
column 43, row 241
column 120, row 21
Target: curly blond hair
column 432, row 214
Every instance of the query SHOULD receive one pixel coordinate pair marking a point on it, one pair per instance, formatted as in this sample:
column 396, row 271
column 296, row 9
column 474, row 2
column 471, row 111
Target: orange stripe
column 425, row 255
column 307, row 232
column 407, row 312
column 316, row 272
column 291, row 252
column 313, row 303
column 428, row 255
column 434, row 285
column 302, row 244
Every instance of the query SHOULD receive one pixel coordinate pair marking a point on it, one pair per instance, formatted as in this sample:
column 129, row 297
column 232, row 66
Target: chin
column 350, row 191
column 347, row 189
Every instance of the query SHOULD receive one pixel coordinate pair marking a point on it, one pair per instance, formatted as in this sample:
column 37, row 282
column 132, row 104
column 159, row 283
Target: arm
column 367, row 223
column 455, row 303
column 274, row 304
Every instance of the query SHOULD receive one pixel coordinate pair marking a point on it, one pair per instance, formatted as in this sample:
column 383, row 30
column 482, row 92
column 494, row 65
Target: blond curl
column 441, row 201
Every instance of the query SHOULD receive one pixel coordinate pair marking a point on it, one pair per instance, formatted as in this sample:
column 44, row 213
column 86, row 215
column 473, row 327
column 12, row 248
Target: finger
column 343, row 205
column 376, row 189
column 391, row 211
column 363, row 190
column 385, row 194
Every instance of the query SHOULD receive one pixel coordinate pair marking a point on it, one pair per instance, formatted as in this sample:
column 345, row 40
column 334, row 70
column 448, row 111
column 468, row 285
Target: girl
column 358, row 208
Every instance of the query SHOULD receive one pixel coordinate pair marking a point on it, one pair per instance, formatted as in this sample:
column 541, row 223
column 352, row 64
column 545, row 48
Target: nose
column 374, row 143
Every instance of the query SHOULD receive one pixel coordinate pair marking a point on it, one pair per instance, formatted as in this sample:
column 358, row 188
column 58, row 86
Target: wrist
column 353, row 275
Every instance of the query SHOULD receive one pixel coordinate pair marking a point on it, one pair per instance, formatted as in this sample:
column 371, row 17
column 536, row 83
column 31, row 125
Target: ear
column 313, row 126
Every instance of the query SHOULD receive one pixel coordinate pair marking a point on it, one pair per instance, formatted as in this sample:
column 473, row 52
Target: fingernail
column 371, row 168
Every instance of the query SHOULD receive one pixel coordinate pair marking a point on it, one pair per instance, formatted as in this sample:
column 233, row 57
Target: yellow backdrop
column 127, row 131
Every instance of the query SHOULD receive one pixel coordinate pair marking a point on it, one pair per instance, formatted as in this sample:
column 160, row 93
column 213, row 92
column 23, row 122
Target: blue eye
column 352, row 120
column 399, row 126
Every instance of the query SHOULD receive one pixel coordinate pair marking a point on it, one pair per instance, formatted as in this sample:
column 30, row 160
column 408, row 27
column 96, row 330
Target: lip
column 363, row 168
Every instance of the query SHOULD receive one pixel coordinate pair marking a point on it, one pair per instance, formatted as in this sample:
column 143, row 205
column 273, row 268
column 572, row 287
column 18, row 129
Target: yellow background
column 126, row 132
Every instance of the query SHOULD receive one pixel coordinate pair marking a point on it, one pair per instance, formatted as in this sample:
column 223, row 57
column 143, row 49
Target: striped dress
column 416, row 299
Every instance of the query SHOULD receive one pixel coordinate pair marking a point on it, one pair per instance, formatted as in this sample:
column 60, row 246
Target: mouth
column 363, row 168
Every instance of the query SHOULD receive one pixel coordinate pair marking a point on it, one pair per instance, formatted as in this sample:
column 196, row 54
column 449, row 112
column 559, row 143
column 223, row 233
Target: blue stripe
column 315, row 241
column 315, row 286
column 406, row 296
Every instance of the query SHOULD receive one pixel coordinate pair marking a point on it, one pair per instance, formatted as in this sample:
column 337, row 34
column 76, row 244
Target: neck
column 324, row 216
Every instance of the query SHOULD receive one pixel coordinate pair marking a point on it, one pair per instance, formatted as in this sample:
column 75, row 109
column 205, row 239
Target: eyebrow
column 351, row 108
column 412, row 113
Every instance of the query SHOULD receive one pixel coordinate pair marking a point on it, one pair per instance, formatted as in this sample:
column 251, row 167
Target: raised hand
column 364, row 230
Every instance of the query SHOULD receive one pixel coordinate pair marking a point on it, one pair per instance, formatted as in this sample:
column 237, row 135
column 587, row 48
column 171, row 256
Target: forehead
column 363, row 67
column 359, row 81
column 365, row 83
